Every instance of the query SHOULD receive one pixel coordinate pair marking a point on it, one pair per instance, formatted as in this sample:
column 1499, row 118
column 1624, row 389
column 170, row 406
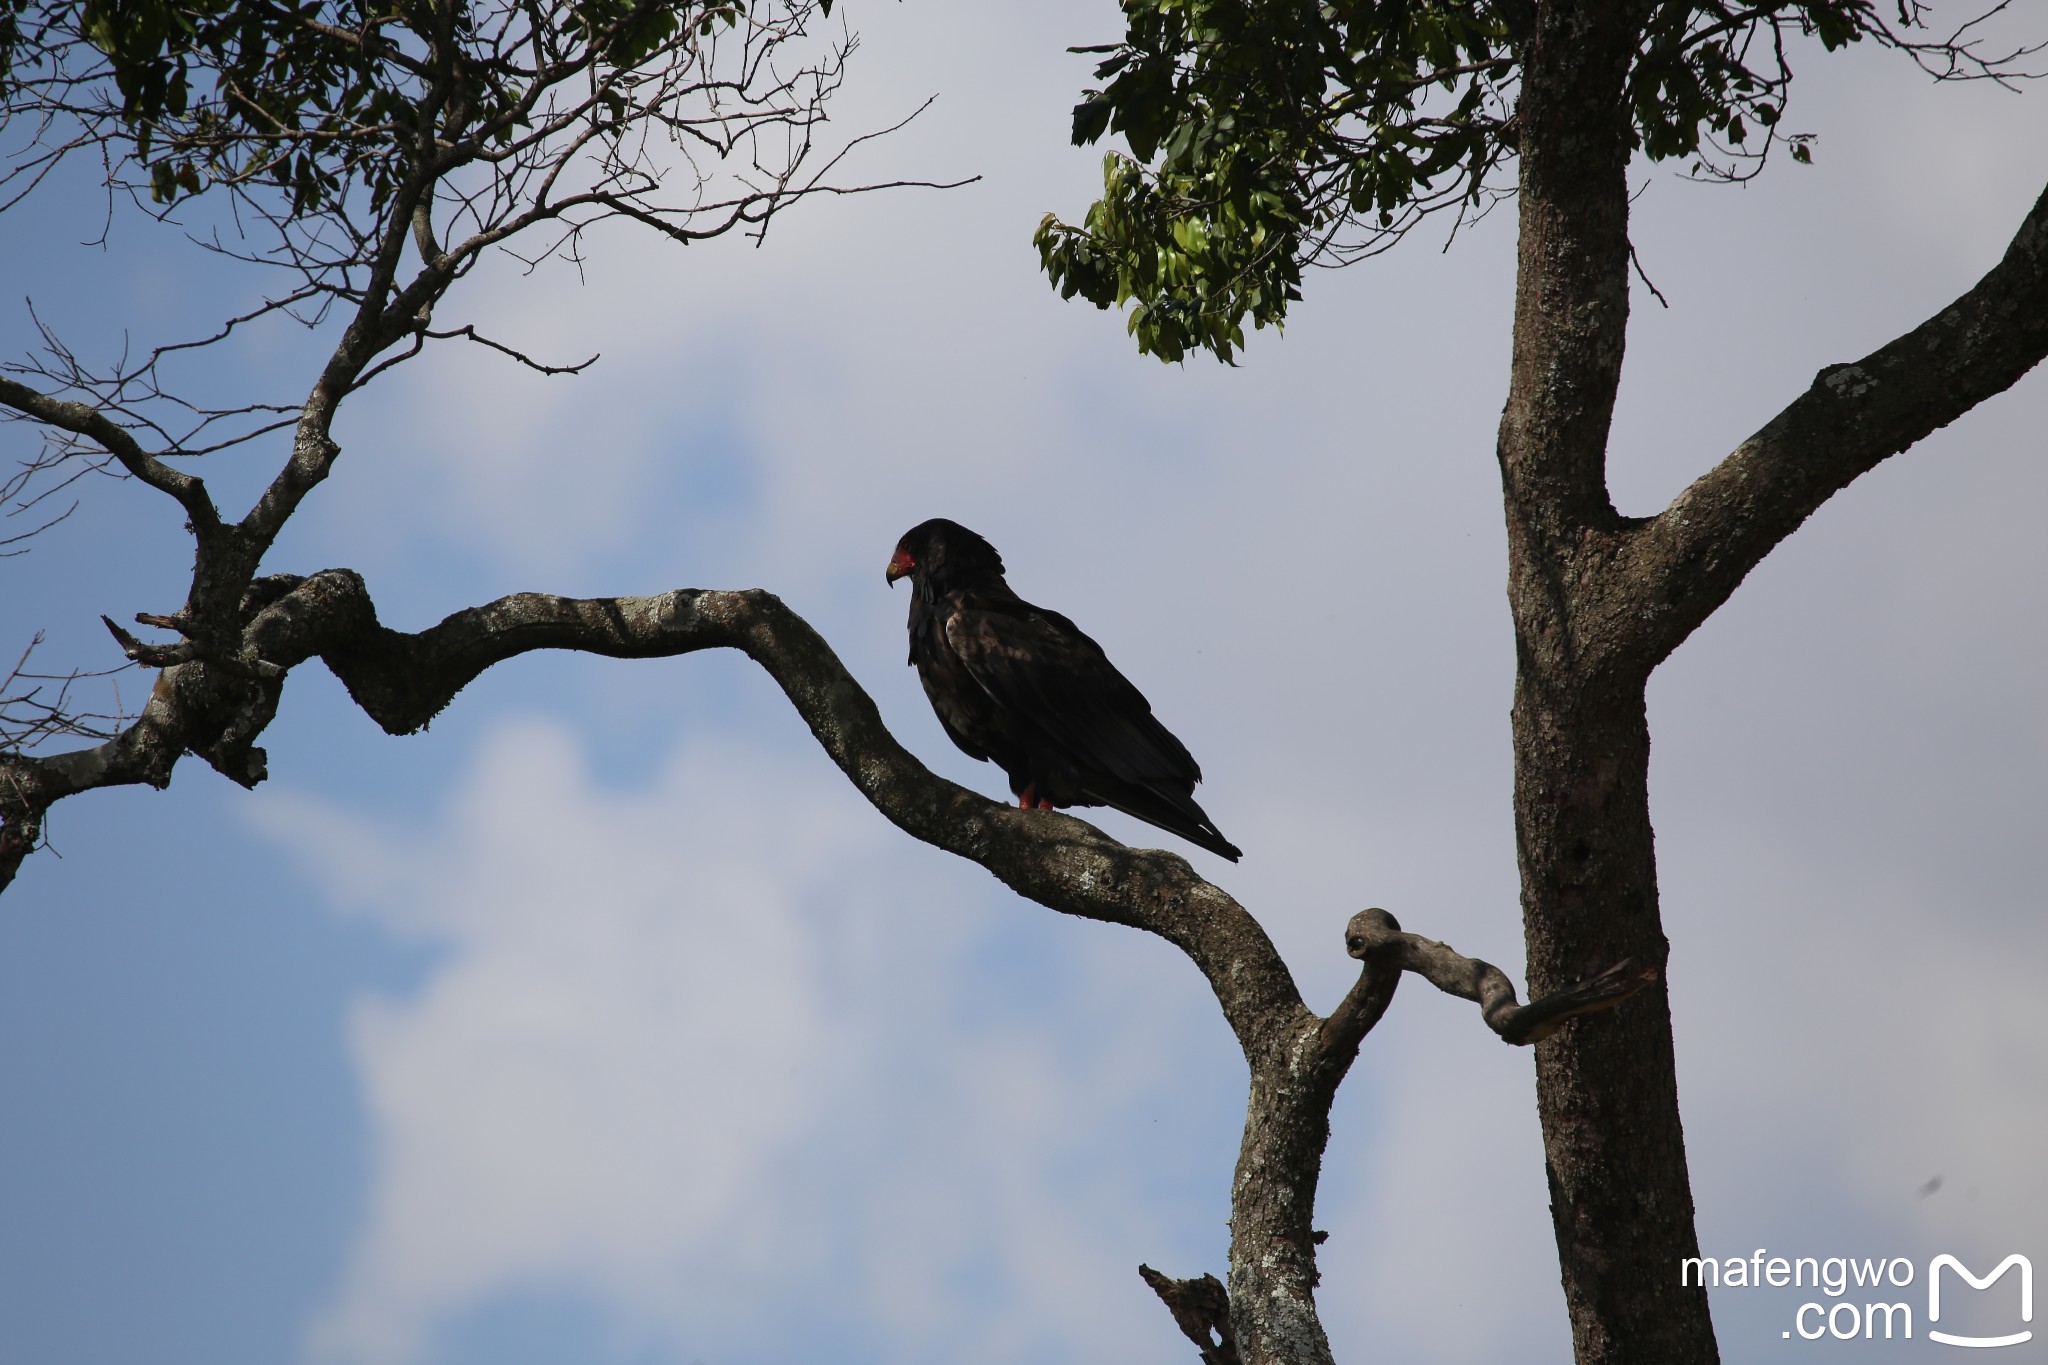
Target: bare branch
column 1675, row 569
column 1636, row 262
column 402, row 681
column 29, row 717
column 1201, row 1309
column 154, row 656
column 469, row 330
column 1375, row 938
column 95, row 425
column 18, row 537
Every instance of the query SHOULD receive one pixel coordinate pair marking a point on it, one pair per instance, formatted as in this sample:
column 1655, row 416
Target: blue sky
column 603, row 1022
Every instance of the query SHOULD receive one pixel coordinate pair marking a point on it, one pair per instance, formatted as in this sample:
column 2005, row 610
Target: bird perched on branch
column 1022, row 686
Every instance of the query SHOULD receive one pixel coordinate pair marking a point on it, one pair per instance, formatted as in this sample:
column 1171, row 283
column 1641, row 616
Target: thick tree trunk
column 1607, row 1092
column 1607, row 1089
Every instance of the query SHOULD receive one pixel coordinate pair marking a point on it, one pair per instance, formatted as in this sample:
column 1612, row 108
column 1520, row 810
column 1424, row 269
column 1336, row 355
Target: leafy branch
column 1269, row 135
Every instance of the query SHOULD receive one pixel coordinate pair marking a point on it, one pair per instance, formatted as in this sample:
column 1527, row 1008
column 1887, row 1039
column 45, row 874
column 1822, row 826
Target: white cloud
column 574, row 1094
column 680, row 1049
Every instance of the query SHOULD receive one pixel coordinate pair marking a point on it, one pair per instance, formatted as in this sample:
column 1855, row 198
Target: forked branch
column 1678, row 567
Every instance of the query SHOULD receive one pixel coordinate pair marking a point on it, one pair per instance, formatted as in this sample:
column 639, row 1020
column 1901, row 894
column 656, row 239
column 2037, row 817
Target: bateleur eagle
column 1024, row 687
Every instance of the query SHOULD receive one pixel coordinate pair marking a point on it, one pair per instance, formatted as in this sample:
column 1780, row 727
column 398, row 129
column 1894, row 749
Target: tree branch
column 1362, row 1007
column 1375, row 938
column 1201, row 1309
column 1677, row 568
column 91, row 423
column 469, row 330
column 403, row 680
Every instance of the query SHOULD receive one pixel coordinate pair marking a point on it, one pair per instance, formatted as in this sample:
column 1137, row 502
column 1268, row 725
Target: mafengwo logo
column 1878, row 1311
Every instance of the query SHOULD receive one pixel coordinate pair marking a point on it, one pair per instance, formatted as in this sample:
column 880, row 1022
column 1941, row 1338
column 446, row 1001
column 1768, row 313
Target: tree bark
column 1273, row 1273
column 1607, row 1090
column 1599, row 600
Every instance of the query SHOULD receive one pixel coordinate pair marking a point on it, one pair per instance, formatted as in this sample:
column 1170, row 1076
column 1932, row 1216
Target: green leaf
column 1260, row 130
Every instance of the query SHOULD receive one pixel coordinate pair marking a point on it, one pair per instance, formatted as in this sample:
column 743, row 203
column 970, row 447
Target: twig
column 469, row 330
column 1644, row 276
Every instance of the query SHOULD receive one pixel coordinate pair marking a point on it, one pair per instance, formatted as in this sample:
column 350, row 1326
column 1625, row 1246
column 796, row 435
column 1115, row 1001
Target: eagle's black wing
column 1046, row 674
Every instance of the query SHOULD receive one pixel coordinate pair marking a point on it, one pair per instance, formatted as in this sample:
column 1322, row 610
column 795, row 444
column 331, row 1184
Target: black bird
column 1024, row 687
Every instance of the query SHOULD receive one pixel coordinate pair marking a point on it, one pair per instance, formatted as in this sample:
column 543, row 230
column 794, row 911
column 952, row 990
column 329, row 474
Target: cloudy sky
column 605, row 1023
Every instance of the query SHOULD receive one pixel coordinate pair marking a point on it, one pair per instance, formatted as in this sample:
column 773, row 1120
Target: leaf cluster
column 217, row 91
column 316, row 98
column 1257, row 126
column 1266, row 135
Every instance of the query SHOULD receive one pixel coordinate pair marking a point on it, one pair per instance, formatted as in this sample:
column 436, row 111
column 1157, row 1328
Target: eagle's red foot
column 1029, row 799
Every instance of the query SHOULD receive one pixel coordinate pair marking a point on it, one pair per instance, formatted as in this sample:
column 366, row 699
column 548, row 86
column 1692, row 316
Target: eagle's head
column 938, row 554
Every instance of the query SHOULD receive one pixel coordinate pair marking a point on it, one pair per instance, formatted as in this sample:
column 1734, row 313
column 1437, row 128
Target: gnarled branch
column 1375, row 938
column 403, row 680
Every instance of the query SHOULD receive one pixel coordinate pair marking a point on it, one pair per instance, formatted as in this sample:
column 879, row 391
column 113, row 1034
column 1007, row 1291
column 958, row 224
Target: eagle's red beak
column 900, row 564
